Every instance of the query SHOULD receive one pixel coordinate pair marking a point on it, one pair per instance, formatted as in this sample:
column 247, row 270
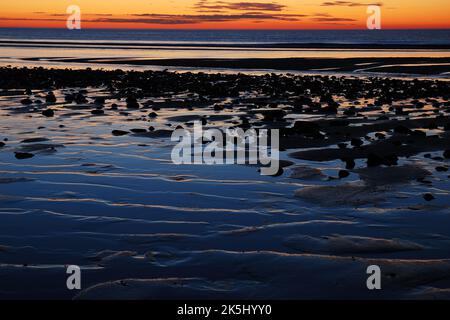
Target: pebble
column 119, row 132
column 48, row 113
column 343, row 174
column 428, row 197
column 23, row 155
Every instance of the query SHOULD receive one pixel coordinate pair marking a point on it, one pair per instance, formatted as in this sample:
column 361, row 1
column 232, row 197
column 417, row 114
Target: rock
column 402, row 130
column 218, row 107
column 23, row 155
column 97, row 112
column 80, row 98
column 428, row 197
column 447, row 154
column 2, row 144
column 306, row 127
column 349, row 164
column 152, row 115
column 343, row 174
column 99, row 100
column 26, row 101
column 441, row 169
column 48, row 113
column 119, row 132
column 34, row 140
column 50, row 98
column 138, row 130
column 374, row 160
column 356, row 142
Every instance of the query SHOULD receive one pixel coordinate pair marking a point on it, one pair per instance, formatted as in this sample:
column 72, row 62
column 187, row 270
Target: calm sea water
column 238, row 36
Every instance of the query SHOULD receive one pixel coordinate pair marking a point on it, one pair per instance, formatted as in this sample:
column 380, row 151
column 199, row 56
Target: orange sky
column 226, row 14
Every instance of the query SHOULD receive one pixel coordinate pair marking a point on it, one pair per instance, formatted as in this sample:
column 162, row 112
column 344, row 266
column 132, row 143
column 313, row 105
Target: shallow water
column 118, row 207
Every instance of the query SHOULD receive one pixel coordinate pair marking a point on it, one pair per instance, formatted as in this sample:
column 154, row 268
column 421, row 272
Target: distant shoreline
column 205, row 45
column 420, row 66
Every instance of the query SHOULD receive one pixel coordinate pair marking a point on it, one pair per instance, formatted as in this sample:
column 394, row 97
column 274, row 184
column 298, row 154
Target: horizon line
column 228, row 29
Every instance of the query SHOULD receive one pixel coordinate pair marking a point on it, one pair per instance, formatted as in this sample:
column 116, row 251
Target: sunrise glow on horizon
column 227, row 14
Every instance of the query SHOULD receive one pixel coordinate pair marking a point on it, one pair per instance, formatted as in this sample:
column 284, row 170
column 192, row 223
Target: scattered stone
column 428, row 197
column 50, row 98
column 138, row 130
column 23, row 155
column 356, row 142
column 97, row 112
column 26, row 101
column 343, row 174
column 119, row 132
column 48, row 113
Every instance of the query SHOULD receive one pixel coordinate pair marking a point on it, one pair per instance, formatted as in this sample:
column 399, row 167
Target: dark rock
column 119, row 132
column 26, row 101
column 374, row 160
column 306, row 127
column 50, row 98
column 97, row 111
column 48, row 113
column 138, row 130
column 23, row 155
column 99, row 100
column 441, row 169
column 349, row 164
column 356, row 142
column 428, row 197
column 402, row 130
column 343, row 174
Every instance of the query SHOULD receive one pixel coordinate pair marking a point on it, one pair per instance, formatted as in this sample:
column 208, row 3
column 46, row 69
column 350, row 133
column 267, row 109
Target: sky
column 226, row 14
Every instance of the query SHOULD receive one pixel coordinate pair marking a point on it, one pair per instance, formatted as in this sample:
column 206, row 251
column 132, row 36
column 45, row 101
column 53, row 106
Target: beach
column 87, row 179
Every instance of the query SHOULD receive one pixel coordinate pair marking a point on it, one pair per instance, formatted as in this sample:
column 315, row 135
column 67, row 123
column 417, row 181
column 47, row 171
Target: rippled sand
column 141, row 227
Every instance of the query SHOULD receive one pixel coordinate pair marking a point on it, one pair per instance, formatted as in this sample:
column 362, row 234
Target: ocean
column 409, row 37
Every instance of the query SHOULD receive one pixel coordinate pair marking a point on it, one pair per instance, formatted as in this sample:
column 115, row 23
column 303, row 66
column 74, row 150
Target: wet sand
column 411, row 65
column 87, row 179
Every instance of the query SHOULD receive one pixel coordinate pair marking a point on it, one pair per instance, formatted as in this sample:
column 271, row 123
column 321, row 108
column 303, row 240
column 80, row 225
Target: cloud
column 254, row 16
column 154, row 18
column 349, row 4
column 241, row 6
column 333, row 19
